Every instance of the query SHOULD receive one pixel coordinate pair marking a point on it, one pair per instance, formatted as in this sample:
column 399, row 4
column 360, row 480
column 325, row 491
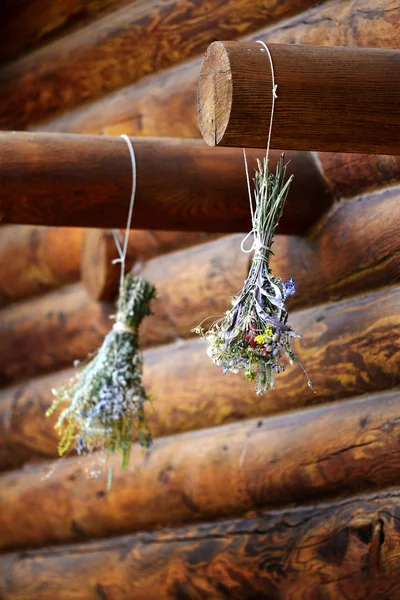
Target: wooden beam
column 220, row 472
column 120, row 48
column 100, row 275
column 85, row 181
column 33, row 260
column 344, row 549
column 329, row 98
column 348, row 348
column 33, row 342
column 164, row 104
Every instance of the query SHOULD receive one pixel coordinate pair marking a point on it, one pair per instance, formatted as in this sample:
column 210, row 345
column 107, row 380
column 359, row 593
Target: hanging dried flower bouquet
column 254, row 334
column 105, row 402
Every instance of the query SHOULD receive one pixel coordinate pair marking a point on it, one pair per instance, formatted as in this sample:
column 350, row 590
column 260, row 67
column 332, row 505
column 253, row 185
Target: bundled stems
column 254, row 335
column 105, row 401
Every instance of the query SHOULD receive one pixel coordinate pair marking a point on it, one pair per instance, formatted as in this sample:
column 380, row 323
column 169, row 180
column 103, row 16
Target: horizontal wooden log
column 86, row 181
column 23, row 26
column 100, row 275
column 338, row 551
column 122, row 47
column 353, row 174
column 348, row 348
column 33, row 342
column 33, row 260
column 50, row 332
column 318, row 87
column 220, row 472
column 165, row 104
column 355, row 249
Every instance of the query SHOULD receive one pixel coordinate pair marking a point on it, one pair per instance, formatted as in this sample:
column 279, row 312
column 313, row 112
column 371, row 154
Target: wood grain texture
column 50, row 332
column 164, row 104
column 100, row 275
column 118, row 49
column 354, row 250
column 221, row 472
column 353, row 174
column 34, row 260
column 338, row 551
column 319, row 87
column 86, row 181
column 25, row 26
column 348, row 348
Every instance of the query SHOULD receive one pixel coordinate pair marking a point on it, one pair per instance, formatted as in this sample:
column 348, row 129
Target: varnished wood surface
column 34, row 260
column 348, row 348
column 100, row 275
column 86, row 181
column 46, row 333
column 165, row 104
column 221, row 472
column 352, row 174
column 353, row 551
column 234, row 99
column 23, row 26
column 338, row 551
column 355, row 249
column 118, row 49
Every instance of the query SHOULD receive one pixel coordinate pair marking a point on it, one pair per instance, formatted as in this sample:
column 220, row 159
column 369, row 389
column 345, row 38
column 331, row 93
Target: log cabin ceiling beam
column 86, row 181
column 344, row 549
column 217, row 473
column 349, row 348
column 328, row 99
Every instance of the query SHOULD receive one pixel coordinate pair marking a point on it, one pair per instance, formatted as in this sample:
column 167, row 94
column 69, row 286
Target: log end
column 214, row 94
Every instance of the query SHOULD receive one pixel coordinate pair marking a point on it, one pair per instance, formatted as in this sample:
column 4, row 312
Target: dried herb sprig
column 105, row 401
column 254, row 334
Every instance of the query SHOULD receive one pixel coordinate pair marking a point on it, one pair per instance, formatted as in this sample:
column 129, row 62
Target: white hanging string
column 257, row 245
column 123, row 249
column 274, row 96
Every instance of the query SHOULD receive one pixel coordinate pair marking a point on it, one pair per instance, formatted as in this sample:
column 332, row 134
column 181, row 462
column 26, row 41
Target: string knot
column 123, row 328
column 257, row 245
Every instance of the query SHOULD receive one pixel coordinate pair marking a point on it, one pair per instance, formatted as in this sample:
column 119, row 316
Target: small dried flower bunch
column 105, row 401
column 254, row 334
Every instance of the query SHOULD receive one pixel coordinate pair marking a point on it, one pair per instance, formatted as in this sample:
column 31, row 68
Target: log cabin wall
column 292, row 495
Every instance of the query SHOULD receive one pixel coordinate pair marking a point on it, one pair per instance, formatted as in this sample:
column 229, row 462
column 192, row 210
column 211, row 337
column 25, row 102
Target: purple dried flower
column 289, row 288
